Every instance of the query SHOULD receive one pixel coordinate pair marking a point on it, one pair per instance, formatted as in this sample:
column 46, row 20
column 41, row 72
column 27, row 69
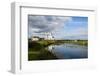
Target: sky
column 61, row 27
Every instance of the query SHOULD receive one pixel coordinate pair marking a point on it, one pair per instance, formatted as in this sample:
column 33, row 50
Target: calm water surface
column 69, row 51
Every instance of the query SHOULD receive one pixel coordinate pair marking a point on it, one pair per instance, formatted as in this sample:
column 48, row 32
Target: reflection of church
column 49, row 36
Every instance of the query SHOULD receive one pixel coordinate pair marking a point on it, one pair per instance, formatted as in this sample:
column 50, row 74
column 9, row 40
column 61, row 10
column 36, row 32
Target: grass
column 37, row 51
column 78, row 42
column 40, row 55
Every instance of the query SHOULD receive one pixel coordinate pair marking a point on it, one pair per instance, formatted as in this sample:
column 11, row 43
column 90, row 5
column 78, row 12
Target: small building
column 35, row 38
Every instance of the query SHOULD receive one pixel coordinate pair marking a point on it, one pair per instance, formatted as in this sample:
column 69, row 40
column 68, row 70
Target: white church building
column 49, row 36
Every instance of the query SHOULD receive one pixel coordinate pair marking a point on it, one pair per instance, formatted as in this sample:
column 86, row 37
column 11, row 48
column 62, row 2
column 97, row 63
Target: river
column 69, row 51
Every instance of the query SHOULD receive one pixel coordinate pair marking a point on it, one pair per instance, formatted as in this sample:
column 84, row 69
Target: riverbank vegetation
column 78, row 42
column 49, row 42
column 37, row 51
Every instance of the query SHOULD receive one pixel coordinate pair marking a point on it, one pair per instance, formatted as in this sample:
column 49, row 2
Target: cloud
column 40, row 24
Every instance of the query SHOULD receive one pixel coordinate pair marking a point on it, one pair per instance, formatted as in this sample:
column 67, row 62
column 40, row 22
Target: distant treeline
column 48, row 42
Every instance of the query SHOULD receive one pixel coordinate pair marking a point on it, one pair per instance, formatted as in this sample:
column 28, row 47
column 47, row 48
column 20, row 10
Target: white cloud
column 39, row 24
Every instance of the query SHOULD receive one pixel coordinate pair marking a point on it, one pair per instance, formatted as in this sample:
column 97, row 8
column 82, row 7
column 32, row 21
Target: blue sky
column 73, row 27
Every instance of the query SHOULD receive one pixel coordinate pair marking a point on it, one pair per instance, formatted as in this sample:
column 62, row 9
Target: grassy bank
column 78, row 42
column 37, row 51
column 45, row 43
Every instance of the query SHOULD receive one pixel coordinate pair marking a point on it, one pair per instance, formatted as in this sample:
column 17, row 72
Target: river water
column 69, row 51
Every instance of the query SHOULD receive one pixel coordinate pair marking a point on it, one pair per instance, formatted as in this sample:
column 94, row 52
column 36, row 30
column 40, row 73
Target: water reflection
column 69, row 51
